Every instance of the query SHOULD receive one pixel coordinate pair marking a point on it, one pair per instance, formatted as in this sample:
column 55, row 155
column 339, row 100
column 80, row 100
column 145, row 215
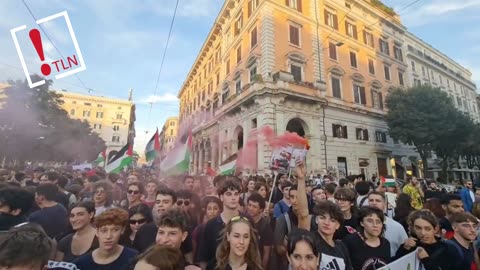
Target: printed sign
column 407, row 262
column 73, row 63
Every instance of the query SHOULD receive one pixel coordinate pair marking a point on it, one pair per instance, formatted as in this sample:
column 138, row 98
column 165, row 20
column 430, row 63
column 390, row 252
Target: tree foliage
column 34, row 127
column 427, row 118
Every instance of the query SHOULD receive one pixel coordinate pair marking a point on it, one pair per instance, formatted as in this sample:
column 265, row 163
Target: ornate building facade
column 321, row 69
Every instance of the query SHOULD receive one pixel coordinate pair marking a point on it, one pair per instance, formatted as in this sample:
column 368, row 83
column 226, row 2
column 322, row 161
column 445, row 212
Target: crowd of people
column 64, row 219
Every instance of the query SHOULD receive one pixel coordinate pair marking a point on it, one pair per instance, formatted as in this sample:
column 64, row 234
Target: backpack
column 289, row 222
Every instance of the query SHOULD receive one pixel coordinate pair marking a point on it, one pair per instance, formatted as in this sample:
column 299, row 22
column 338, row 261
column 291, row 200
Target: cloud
column 165, row 98
column 438, row 10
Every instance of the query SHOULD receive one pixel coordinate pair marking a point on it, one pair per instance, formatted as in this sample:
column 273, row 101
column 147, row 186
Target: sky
column 122, row 43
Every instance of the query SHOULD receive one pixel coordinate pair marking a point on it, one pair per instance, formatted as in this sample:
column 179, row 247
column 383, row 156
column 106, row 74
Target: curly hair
column 113, row 216
column 252, row 256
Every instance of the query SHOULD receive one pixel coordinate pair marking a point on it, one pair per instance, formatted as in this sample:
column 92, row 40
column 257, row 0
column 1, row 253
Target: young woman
column 262, row 189
column 367, row 248
column 345, row 199
column 238, row 249
column 84, row 239
column 102, row 196
column 433, row 253
column 134, row 195
column 302, row 252
column 211, row 208
column 250, row 188
column 138, row 216
column 110, row 254
column 151, row 192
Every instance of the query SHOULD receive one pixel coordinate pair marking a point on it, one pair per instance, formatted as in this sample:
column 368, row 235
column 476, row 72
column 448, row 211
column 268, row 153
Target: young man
column 452, row 204
column 413, row 188
column 229, row 193
column 330, row 190
column 283, row 205
column 25, row 247
column 14, row 206
column 51, row 216
column 394, row 231
column 188, row 182
column 151, row 192
column 109, row 254
column 52, row 178
column 468, row 197
column 465, row 227
column 37, row 172
column 255, row 209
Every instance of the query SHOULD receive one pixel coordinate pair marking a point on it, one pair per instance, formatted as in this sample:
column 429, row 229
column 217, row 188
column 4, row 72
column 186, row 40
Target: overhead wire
column 161, row 65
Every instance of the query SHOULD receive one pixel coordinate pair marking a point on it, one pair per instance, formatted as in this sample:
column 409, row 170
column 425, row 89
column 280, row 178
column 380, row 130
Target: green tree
column 34, row 127
column 420, row 116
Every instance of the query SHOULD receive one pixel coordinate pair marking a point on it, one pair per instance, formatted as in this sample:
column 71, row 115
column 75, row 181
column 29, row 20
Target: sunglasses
column 238, row 218
column 137, row 221
column 136, row 192
column 184, row 202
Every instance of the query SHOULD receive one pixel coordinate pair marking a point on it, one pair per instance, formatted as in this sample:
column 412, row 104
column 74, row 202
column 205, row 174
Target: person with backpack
column 284, row 204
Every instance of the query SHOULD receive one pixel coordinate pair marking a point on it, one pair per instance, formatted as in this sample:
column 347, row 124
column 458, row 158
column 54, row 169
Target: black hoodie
column 8, row 221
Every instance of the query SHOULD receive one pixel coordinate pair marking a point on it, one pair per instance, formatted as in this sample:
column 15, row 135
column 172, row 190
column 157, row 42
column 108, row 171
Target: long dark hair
column 403, row 206
column 301, row 235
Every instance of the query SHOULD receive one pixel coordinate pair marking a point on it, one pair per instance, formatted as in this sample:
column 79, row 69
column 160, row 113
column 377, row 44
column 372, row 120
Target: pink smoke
column 288, row 138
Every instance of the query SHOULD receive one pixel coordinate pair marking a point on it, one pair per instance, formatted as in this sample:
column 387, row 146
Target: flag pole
column 271, row 190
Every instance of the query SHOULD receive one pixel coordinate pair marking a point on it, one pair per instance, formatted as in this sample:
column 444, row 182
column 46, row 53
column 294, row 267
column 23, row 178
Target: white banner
column 407, row 262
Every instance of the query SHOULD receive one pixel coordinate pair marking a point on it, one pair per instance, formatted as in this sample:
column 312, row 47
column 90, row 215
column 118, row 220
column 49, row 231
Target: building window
column 238, row 85
column 400, row 78
column 225, row 94
column 72, row 112
column 99, row 105
column 253, row 37
column 227, row 67
column 381, row 136
column 332, row 49
column 119, row 116
column 116, row 139
column 218, row 79
column 331, row 19
column 397, row 52
column 217, row 56
column 294, row 35
column 239, row 54
column 384, row 46
column 351, row 30
column 171, row 132
column 116, row 128
column 296, row 71
column 336, row 87
column 253, row 72
column 295, row 4
column 74, row 102
column 417, row 82
column 368, row 39
column 362, row 134
column 359, row 94
column 371, row 67
column 377, row 99
column 97, row 126
column 423, row 71
column 339, row 131
column 238, row 24
column 86, row 113
column 87, row 104
column 99, row 115
column 252, row 5
column 353, row 59
column 172, row 124
column 459, row 102
column 386, row 70
column 413, row 66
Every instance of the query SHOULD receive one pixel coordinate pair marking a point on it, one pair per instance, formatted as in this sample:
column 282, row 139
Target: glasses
column 99, row 191
column 136, row 192
column 137, row 221
column 373, row 222
column 342, row 200
column 183, row 202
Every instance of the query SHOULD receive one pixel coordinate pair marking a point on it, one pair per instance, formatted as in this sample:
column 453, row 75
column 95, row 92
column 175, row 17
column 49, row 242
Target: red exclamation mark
column 37, row 43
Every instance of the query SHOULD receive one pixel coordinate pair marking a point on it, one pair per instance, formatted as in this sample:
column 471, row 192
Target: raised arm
column 303, row 216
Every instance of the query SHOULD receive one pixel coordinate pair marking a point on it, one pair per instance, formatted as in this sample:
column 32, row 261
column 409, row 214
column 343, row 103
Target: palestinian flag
column 228, row 168
column 152, row 148
column 177, row 161
column 121, row 160
column 100, row 161
column 388, row 182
